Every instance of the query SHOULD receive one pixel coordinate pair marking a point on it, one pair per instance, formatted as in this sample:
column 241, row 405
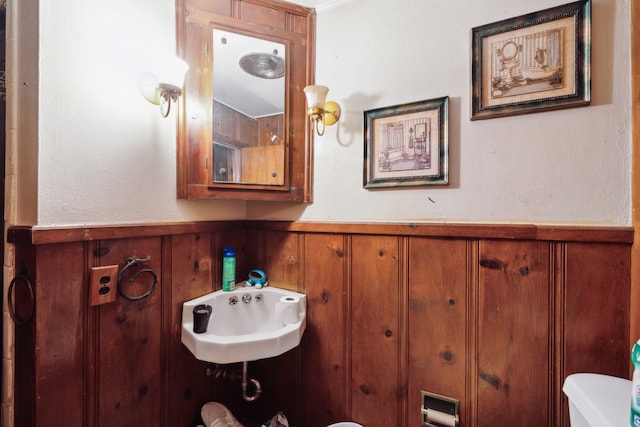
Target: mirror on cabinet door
column 244, row 137
column 249, row 77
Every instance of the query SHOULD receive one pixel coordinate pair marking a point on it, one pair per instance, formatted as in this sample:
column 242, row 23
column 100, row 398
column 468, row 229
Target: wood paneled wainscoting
column 493, row 315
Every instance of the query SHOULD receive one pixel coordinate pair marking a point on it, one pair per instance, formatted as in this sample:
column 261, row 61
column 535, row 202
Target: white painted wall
column 569, row 166
column 105, row 156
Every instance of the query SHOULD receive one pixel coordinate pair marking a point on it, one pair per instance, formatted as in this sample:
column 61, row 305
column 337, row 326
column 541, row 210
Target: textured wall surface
column 95, row 152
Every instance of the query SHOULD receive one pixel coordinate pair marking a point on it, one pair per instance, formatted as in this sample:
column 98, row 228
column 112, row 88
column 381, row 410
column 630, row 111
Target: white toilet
column 597, row 400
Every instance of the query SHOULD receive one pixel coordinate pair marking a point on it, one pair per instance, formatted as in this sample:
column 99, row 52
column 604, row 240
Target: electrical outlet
column 103, row 284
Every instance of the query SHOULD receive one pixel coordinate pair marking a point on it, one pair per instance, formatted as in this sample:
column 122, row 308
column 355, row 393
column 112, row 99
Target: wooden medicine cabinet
column 243, row 131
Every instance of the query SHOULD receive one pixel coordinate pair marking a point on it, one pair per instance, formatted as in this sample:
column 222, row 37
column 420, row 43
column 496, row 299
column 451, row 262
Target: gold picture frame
column 536, row 62
column 407, row 145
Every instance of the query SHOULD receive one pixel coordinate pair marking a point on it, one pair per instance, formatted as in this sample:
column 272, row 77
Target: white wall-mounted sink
column 246, row 324
column 598, row 400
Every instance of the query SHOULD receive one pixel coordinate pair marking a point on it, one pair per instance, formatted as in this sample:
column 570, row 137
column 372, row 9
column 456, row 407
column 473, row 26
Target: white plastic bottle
column 635, row 385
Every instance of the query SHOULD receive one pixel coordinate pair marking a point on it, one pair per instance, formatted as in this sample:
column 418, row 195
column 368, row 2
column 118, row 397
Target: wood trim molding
column 42, row 235
column 39, row 236
column 452, row 230
column 635, row 169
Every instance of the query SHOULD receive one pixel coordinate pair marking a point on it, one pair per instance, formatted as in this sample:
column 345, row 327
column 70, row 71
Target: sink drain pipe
column 245, row 382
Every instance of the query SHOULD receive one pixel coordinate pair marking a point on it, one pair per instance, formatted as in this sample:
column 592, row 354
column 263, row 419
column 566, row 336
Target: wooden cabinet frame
column 292, row 25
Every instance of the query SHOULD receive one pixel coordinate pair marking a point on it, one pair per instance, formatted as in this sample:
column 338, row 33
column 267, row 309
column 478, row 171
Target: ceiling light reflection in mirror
column 249, row 91
column 253, row 96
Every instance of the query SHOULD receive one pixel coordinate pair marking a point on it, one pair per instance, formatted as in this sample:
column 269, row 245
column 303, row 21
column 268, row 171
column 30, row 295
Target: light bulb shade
column 164, row 86
column 172, row 71
column 316, row 97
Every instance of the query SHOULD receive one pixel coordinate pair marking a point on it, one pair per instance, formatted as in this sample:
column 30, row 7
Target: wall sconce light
column 164, row 87
column 320, row 110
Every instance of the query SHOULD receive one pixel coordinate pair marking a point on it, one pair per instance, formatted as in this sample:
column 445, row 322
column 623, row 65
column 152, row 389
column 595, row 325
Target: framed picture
column 407, row 144
column 535, row 62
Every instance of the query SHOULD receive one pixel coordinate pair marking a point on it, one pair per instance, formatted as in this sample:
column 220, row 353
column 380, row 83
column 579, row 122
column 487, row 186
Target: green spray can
column 228, row 269
column 635, row 387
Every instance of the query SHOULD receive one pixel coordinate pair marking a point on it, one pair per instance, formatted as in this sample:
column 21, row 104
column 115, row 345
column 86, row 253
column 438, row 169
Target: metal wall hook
column 134, row 261
column 22, row 276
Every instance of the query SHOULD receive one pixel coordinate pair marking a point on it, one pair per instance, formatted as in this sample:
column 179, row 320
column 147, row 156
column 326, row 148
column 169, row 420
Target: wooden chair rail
column 569, row 233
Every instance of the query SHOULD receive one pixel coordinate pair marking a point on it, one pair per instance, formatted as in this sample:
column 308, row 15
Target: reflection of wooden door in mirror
column 263, row 165
column 238, row 140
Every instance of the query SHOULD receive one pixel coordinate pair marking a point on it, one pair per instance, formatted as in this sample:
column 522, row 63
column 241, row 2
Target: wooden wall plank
column 596, row 323
column 325, row 362
column 280, row 256
column 513, row 361
column 192, row 275
column 25, row 339
column 59, row 347
column 375, row 331
column 281, row 259
column 558, row 271
column 437, row 321
column 594, row 320
column 130, row 334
